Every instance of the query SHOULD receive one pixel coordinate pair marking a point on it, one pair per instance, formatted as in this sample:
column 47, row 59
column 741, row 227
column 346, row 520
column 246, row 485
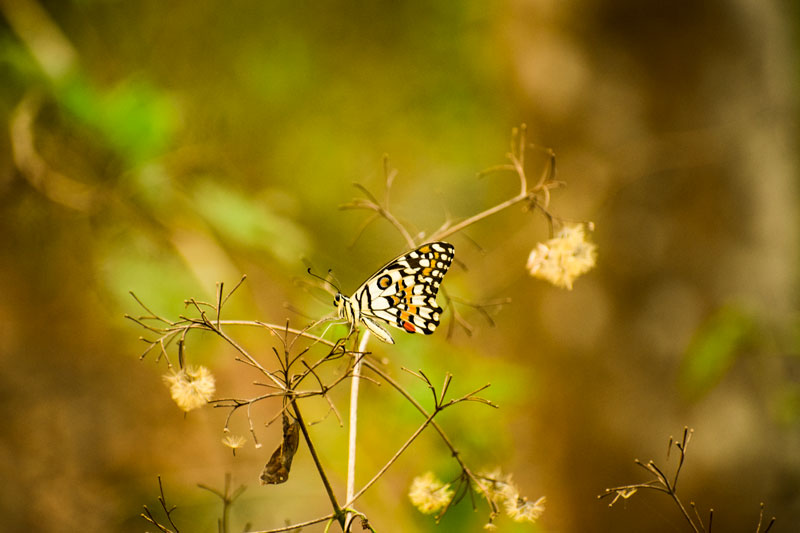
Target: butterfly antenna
column 325, row 279
column 333, row 276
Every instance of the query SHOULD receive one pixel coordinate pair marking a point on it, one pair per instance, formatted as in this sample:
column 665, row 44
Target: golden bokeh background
column 161, row 147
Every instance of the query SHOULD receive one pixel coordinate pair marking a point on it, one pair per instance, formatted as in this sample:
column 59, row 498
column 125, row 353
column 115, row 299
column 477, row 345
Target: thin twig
column 298, row 526
column 162, row 500
column 337, row 511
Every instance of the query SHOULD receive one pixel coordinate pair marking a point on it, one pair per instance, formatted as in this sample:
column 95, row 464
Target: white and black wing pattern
column 403, row 293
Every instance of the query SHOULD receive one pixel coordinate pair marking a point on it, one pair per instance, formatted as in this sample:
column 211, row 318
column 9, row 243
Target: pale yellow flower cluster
column 428, row 494
column 564, row 257
column 502, row 489
column 191, row 387
column 521, row 510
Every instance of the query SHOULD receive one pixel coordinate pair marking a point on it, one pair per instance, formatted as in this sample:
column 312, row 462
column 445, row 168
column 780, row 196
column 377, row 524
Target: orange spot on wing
column 425, row 249
column 412, row 309
column 409, row 327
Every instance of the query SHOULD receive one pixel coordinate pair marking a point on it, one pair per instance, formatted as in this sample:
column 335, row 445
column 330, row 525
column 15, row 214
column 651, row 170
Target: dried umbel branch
column 439, row 405
column 667, row 485
column 307, row 365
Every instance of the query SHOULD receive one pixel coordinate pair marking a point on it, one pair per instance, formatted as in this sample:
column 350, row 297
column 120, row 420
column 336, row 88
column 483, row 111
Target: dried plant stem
column 443, row 234
column 517, row 158
column 353, row 423
column 453, row 450
column 296, row 527
column 147, row 515
column 516, row 165
column 336, row 509
column 390, row 462
column 205, row 323
column 275, row 328
column 760, row 519
column 396, row 223
column 662, row 483
column 250, row 358
column 440, row 406
column 227, row 498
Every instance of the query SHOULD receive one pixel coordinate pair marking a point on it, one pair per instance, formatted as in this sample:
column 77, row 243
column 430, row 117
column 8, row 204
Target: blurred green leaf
column 251, row 223
column 714, row 349
column 158, row 277
column 135, row 118
column 16, row 63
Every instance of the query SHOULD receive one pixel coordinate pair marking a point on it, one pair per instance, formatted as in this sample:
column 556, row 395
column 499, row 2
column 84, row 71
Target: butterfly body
column 402, row 293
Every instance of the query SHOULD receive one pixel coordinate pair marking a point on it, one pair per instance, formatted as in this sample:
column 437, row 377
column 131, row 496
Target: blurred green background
column 161, row 147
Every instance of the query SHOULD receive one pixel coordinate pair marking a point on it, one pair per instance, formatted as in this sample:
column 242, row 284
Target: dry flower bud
column 428, row 494
column 233, row 442
column 563, row 258
column 191, row 387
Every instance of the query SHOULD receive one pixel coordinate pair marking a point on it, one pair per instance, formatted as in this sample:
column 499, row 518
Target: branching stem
column 453, row 450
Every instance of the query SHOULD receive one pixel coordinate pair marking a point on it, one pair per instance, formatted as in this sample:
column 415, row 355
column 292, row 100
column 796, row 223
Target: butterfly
column 402, row 293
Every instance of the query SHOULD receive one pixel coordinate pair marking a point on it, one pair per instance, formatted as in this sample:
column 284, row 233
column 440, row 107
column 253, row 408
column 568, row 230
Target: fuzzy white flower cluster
column 428, row 494
column 191, row 387
column 564, row 257
column 502, row 490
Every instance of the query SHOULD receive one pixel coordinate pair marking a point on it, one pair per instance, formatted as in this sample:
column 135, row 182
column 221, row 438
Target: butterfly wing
column 377, row 330
column 403, row 292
